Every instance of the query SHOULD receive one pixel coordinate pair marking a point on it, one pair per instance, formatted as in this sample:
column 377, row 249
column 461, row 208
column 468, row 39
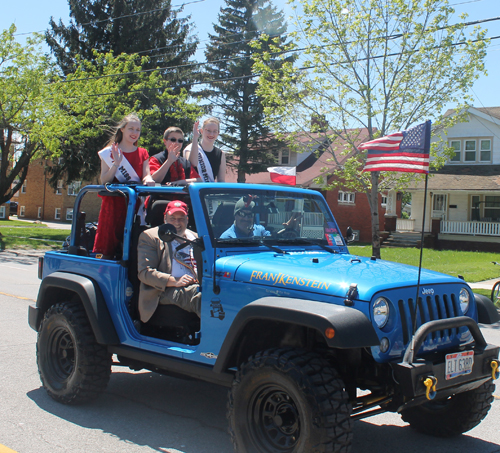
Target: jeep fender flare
column 352, row 328
column 487, row 313
column 89, row 293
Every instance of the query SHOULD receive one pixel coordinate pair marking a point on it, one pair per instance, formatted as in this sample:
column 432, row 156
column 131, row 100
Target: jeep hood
column 326, row 273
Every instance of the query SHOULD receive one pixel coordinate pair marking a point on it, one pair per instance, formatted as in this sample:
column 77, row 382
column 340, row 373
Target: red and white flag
column 283, row 175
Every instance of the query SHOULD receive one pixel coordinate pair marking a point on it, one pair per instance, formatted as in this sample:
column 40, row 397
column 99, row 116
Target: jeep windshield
column 279, row 217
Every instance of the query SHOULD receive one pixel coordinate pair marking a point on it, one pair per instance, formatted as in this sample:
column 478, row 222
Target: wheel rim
column 276, row 420
column 61, row 358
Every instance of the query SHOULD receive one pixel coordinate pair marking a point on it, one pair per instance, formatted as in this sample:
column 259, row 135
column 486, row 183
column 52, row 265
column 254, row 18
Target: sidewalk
column 55, row 225
column 487, row 284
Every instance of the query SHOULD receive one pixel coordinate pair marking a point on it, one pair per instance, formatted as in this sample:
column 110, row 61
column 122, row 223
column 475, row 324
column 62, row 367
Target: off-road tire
column 454, row 415
column 73, row 367
column 288, row 400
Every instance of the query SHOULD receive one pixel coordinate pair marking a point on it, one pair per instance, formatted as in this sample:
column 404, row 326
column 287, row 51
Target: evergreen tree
column 149, row 29
column 229, row 54
column 154, row 32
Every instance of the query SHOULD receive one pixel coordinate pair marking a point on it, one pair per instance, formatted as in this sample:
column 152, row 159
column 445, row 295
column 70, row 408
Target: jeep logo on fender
column 427, row 291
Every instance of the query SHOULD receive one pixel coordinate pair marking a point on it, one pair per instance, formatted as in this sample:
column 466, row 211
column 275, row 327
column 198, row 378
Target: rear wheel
column 454, row 415
column 73, row 367
column 289, row 401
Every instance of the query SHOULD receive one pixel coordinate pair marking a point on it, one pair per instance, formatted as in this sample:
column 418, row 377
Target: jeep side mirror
column 167, row 232
column 349, row 236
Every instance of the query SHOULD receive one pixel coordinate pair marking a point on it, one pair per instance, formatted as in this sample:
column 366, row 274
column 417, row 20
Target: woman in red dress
column 123, row 144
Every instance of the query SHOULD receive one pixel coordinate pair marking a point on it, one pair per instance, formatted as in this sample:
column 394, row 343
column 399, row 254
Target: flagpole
column 415, row 310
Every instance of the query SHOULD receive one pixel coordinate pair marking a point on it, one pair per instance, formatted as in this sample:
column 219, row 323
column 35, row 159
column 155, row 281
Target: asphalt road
column 145, row 412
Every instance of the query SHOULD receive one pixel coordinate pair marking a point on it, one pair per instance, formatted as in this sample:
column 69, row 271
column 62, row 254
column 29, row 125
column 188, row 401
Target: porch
column 473, row 228
column 456, row 235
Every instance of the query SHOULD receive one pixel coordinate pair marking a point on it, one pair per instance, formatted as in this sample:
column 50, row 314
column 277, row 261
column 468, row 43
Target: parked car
column 307, row 337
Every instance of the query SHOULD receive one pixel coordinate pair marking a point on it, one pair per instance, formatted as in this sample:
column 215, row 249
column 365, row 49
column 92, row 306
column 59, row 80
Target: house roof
column 488, row 113
column 464, row 177
column 492, row 111
column 313, row 165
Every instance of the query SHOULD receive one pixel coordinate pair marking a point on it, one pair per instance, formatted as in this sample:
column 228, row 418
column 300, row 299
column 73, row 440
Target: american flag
column 405, row 151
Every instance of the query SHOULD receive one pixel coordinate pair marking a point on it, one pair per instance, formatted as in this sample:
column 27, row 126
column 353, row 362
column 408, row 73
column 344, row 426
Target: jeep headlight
column 380, row 312
column 464, row 300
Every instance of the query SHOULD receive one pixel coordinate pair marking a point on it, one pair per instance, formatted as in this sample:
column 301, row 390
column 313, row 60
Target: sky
column 34, row 15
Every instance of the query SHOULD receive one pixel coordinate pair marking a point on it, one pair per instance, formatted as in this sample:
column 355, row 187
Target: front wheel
column 291, row 401
column 73, row 367
column 454, row 415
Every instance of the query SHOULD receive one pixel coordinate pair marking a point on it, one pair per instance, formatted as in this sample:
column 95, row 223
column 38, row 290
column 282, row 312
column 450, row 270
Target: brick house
column 39, row 201
column 349, row 208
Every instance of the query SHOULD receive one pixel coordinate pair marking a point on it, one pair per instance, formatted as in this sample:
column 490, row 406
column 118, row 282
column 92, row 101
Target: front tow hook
column 430, row 387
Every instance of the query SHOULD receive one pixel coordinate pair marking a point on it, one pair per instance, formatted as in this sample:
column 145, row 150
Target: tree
column 151, row 30
column 233, row 92
column 25, row 103
column 377, row 65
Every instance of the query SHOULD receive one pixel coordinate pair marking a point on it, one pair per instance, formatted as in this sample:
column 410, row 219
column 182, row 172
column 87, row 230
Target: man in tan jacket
column 168, row 276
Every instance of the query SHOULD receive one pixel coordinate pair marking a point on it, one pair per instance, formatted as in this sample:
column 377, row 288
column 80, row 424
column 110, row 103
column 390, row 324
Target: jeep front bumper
column 412, row 372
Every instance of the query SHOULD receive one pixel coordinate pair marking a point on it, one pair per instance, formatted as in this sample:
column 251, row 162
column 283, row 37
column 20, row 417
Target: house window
column 2, row 212
column 470, row 150
column 74, row 188
column 69, row 213
column 39, row 214
column 60, row 184
column 492, row 208
column 485, row 151
column 455, row 144
column 346, row 197
column 284, row 157
column 23, row 187
column 57, row 214
column 22, row 210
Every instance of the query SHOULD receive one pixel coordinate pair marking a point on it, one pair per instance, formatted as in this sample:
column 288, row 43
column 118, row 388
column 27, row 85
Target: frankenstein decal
column 287, row 280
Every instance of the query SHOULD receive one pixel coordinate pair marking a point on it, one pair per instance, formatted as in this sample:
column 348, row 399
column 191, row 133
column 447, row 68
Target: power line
column 193, row 65
column 109, row 19
column 251, row 76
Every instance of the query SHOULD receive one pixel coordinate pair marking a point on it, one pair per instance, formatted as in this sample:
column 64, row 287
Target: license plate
column 459, row 363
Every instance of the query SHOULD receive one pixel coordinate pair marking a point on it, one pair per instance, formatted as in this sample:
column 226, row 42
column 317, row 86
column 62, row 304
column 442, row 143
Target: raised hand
column 196, row 131
column 117, row 154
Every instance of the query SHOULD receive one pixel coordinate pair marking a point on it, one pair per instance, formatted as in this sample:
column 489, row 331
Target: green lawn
column 23, row 235
column 474, row 266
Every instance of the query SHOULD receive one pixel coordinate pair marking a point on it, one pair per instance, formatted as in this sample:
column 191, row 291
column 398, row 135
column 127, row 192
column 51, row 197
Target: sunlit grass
column 474, row 266
column 23, row 235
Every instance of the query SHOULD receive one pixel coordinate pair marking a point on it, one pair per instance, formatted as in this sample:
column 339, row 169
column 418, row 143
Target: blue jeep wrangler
column 307, row 337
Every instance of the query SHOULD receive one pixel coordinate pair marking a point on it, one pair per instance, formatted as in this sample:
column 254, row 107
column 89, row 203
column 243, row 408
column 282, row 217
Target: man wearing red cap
column 168, row 276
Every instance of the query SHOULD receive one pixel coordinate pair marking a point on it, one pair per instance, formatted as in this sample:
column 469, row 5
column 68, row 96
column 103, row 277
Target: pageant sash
column 125, row 172
column 204, row 167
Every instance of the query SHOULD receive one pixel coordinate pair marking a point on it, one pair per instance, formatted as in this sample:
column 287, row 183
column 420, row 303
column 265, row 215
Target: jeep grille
column 441, row 306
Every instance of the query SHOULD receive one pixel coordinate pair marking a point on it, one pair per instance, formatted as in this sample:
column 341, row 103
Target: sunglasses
column 178, row 140
column 245, row 214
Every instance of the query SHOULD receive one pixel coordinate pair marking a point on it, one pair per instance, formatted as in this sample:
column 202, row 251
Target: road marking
column 4, row 449
column 17, row 297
